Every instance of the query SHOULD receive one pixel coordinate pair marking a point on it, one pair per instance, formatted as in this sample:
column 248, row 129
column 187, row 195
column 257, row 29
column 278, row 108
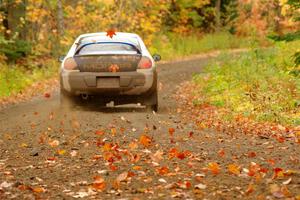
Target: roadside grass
column 173, row 46
column 257, row 84
column 14, row 78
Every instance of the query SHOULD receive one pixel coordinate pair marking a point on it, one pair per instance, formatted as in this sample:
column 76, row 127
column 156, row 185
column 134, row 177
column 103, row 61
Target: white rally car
column 105, row 69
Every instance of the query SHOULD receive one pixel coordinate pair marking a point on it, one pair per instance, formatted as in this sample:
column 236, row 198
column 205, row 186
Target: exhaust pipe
column 84, row 96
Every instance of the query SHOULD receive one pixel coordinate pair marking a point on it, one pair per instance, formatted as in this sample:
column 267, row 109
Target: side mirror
column 156, row 57
column 61, row 58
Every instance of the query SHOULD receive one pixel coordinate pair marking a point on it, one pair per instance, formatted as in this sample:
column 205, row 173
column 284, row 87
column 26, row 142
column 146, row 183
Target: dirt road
column 125, row 153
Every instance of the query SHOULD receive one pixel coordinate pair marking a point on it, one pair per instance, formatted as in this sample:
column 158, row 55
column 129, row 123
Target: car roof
column 102, row 37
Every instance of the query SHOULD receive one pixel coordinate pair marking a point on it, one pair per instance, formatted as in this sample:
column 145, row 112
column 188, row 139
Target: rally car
column 106, row 68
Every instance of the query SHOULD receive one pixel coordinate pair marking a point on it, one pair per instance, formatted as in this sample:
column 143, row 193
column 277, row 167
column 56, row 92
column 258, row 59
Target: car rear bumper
column 107, row 83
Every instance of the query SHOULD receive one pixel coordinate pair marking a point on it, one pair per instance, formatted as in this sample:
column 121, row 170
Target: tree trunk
column 14, row 14
column 218, row 15
column 60, row 18
column 120, row 12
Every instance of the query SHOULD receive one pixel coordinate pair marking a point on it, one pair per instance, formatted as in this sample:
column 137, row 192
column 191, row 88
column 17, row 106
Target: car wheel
column 154, row 107
column 66, row 101
column 151, row 101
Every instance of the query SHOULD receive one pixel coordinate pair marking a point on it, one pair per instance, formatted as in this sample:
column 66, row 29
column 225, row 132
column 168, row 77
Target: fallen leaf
column 51, row 158
column 171, row 131
column 122, row 177
column 286, row 191
column 173, row 153
column 99, row 183
column 5, row 185
column 73, row 153
column 99, row 132
column 162, row 180
column 113, row 131
column 200, row 186
column 108, row 156
column 61, row 152
column 136, row 167
column 133, row 145
column 113, row 167
column 280, row 139
column 162, row 170
column 24, row 145
column 107, row 147
column 253, row 168
column 54, row 143
column 157, row 156
column 287, row 181
column 221, row 153
column 38, row 190
column 181, row 155
column 251, row 154
column 145, row 140
column 214, row 168
column 278, row 172
column 271, row 161
column 249, row 189
column 47, row 95
column 234, row 169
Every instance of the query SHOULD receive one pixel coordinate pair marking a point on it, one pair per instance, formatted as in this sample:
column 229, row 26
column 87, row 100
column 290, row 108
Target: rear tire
column 66, row 100
column 154, row 107
column 152, row 102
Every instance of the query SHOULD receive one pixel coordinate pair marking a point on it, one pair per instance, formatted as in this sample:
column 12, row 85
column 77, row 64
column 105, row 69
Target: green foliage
column 294, row 3
column 256, row 84
column 287, row 37
column 15, row 78
column 172, row 45
column 14, row 50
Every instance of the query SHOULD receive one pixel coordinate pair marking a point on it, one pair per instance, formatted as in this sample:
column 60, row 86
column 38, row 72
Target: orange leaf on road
column 221, row 153
column 163, row 170
column 38, row 189
column 107, row 147
column 251, row 154
column 136, row 167
column 54, row 143
column 250, row 189
column 98, row 183
column 278, row 172
column 145, row 140
column 113, row 167
column 214, row 168
column 99, row 132
column 133, row 145
column 171, row 131
column 234, row 169
column 181, row 155
column 280, row 139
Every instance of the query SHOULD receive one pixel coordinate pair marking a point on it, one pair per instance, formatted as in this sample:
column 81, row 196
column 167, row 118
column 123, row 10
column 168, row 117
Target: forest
column 34, row 33
column 46, row 28
column 226, row 121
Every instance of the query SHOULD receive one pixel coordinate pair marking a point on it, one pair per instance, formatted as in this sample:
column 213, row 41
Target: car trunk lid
column 108, row 63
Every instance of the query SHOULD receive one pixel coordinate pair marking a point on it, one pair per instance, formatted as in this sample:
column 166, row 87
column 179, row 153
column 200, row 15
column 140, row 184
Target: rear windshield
column 106, row 47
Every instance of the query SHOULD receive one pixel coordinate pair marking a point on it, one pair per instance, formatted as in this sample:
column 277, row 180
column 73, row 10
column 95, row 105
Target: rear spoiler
column 80, row 46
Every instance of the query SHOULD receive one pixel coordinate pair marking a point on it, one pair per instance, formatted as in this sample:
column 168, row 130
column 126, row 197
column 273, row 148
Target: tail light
column 70, row 64
column 145, row 63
